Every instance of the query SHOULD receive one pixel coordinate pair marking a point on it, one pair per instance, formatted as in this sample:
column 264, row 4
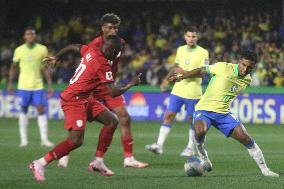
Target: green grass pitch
column 232, row 166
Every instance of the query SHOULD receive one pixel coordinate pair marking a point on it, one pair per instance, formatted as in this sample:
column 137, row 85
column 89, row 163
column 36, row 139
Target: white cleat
column 38, row 170
column 131, row 162
column 155, row 148
column 207, row 165
column 63, row 162
column 47, row 143
column 23, row 144
column 100, row 167
column 268, row 173
column 187, row 152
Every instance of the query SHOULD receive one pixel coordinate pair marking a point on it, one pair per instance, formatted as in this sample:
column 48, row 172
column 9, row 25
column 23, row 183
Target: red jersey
column 97, row 43
column 93, row 71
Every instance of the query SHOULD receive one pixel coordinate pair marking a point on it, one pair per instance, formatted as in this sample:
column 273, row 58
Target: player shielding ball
column 213, row 109
column 95, row 70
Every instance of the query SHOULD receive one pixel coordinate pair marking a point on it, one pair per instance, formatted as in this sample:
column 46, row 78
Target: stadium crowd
column 152, row 41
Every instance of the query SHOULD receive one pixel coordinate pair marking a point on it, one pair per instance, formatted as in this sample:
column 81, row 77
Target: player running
column 95, row 70
column 109, row 26
column 28, row 58
column 186, row 92
column 227, row 81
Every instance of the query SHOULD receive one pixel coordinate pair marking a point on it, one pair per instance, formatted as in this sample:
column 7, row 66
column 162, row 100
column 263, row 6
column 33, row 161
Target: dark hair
column 190, row 29
column 114, row 40
column 30, row 28
column 110, row 18
column 249, row 55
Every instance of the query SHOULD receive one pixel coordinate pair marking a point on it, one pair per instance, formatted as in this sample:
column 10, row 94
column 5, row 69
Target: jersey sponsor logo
column 187, row 62
column 88, row 57
column 109, row 76
column 79, row 123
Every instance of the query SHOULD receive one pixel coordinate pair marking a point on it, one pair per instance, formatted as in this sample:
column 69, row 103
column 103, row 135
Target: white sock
column 164, row 132
column 99, row 159
column 190, row 138
column 42, row 161
column 256, row 153
column 42, row 125
column 201, row 149
column 23, row 124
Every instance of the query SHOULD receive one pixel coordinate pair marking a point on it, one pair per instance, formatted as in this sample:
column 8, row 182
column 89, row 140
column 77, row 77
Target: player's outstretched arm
column 53, row 60
column 12, row 76
column 179, row 75
column 117, row 91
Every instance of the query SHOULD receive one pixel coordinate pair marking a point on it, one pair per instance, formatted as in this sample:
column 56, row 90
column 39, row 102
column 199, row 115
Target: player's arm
column 165, row 83
column 12, row 75
column 179, row 75
column 53, row 60
column 117, row 91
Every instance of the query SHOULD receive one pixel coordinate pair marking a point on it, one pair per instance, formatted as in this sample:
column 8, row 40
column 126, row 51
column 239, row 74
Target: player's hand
column 136, row 80
column 49, row 61
column 10, row 88
column 175, row 78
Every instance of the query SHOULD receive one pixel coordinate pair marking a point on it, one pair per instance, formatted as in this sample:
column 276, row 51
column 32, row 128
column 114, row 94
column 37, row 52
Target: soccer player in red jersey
column 94, row 70
column 109, row 26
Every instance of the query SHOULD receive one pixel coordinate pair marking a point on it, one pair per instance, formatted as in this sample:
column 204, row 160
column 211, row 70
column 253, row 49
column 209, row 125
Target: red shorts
column 94, row 108
column 114, row 102
column 75, row 114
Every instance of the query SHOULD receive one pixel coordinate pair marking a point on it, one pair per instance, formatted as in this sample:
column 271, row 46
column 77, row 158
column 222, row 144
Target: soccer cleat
column 100, row 167
column 131, row 162
column 207, row 165
column 155, row 148
column 63, row 162
column 187, row 152
column 47, row 143
column 23, row 144
column 38, row 170
column 268, row 173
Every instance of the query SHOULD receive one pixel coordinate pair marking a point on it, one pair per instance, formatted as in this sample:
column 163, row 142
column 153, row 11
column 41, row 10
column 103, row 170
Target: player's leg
column 75, row 122
column 25, row 99
column 189, row 150
column 240, row 134
column 202, row 123
column 110, row 122
column 173, row 107
column 117, row 105
column 38, row 100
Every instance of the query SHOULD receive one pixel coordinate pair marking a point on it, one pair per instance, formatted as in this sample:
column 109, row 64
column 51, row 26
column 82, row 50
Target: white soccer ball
column 193, row 166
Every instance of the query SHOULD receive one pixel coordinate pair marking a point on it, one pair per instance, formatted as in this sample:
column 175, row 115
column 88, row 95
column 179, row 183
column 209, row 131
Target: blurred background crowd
column 153, row 30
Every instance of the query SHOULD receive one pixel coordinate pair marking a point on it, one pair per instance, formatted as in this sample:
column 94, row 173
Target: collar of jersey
column 191, row 49
column 30, row 48
column 236, row 70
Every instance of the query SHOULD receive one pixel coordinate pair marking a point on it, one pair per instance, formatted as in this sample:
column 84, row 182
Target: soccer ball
column 193, row 167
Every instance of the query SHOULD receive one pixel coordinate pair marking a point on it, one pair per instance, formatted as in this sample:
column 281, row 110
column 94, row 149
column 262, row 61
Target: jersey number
column 78, row 73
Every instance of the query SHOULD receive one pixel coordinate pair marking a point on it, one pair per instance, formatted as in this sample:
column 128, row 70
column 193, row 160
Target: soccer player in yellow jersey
column 213, row 109
column 186, row 92
column 28, row 57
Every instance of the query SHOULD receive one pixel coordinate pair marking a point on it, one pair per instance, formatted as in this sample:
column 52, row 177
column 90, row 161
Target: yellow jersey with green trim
column 189, row 59
column 224, row 86
column 30, row 64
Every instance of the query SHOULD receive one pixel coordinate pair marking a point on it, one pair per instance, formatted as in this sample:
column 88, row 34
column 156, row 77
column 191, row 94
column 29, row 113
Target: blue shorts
column 34, row 98
column 176, row 103
column 223, row 122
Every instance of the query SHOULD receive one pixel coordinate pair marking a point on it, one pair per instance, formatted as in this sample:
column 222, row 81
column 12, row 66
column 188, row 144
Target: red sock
column 105, row 140
column 127, row 142
column 60, row 150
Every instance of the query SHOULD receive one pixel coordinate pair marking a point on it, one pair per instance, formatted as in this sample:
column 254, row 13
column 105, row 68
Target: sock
column 190, row 137
column 199, row 143
column 23, row 123
column 164, row 132
column 256, row 153
column 60, row 150
column 105, row 140
column 42, row 125
column 127, row 142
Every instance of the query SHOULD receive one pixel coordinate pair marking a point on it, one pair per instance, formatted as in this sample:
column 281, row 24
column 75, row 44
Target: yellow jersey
column 223, row 87
column 189, row 59
column 29, row 60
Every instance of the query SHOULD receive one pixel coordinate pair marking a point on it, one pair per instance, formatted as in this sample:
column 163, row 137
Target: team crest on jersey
column 234, row 88
column 206, row 61
column 110, row 62
column 187, row 61
column 109, row 76
column 79, row 123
